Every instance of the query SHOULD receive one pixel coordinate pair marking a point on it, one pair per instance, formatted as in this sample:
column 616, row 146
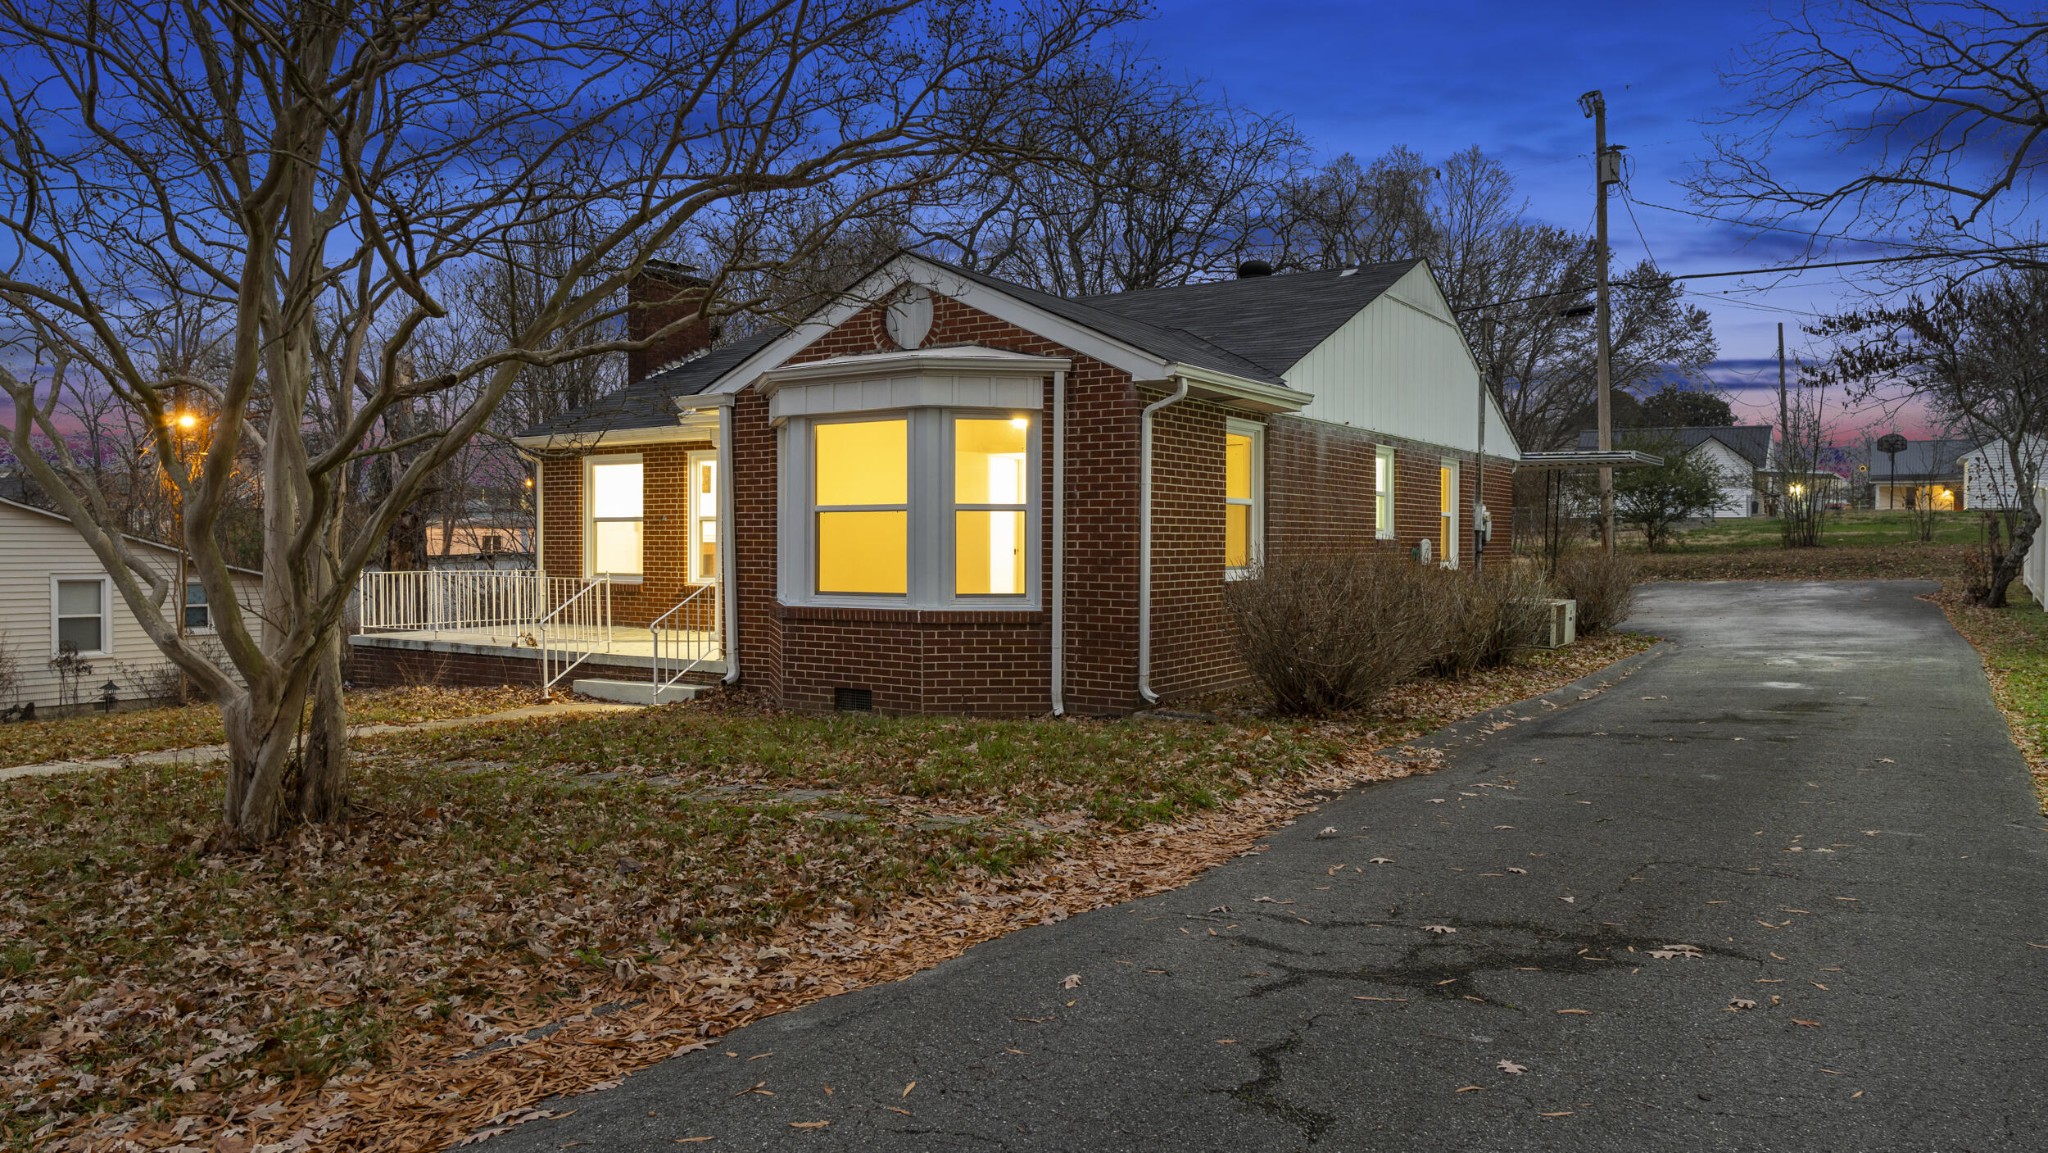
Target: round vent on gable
column 909, row 319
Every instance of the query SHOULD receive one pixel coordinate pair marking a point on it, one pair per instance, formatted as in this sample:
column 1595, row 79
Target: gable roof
column 49, row 514
column 1270, row 321
column 1920, row 459
column 1251, row 330
column 1751, row 442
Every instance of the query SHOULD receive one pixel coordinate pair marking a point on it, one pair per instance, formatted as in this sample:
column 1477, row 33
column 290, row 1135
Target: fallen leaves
column 1071, row 981
column 1804, row 1022
column 1740, row 1004
column 1677, row 952
column 1440, row 930
column 1512, row 1068
column 810, row 1124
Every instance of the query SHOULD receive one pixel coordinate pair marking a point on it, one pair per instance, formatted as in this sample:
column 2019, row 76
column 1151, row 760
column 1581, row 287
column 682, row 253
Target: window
column 861, row 471
column 615, row 502
column 927, row 509
column 703, row 517
column 1383, row 492
column 989, row 499
column 1243, row 483
column 198, row 614
column 79, row 616
column 1447, row 511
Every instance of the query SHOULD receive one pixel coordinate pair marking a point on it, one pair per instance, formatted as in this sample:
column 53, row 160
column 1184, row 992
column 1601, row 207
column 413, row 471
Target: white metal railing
column 682, row 640
column 573, row 630
column 446, row 600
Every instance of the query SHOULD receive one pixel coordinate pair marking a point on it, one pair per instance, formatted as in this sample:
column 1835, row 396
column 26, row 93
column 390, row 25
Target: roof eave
column 1241, row 392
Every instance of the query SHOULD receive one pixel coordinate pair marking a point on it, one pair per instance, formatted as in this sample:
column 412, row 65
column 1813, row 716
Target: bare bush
column 1604, row 584
column 10, row 673
column 1331, row 632
column 1492, row 615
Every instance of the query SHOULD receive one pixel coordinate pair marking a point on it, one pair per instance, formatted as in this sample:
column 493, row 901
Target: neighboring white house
column 54, row 593
column 1987, row 474
column 1737, row 452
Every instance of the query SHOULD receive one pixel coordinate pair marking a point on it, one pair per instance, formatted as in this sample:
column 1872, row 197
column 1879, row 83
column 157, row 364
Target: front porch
column 526, row 626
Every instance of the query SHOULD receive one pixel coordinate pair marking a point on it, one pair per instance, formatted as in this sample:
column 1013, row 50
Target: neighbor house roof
column 127, row 536
column 1751, row 442
column 1254, row 328
column 1920, row 460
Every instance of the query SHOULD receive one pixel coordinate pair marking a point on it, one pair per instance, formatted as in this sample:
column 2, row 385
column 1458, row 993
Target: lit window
column 861, row 500
column 989, row 504
column 1383, row 492
column 1447, row 511
column 80, row 624
column 1241, row 497
column 616, row 525
column 198, row 614
column 703, row 517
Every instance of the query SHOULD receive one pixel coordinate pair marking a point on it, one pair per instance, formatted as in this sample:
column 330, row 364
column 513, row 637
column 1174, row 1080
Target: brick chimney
column 664, row 292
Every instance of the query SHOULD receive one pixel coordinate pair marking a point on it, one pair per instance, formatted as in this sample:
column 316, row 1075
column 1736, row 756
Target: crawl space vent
column 853, row 700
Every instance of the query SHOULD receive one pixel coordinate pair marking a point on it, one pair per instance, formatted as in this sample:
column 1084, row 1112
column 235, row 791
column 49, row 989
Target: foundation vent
column 848, row 700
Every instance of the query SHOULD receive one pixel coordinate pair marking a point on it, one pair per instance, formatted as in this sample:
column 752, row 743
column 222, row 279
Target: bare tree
column 1940, row 99
column 1977, row 353
column 325, row 175
column 1803, row 487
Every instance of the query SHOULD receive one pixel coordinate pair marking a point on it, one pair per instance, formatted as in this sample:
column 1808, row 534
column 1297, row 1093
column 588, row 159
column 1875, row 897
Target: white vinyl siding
column 34, row 547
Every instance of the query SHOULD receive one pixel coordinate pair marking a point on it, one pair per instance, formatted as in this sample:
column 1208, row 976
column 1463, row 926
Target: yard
column 1858, row 545
column 2014, row 644
column 523, row 909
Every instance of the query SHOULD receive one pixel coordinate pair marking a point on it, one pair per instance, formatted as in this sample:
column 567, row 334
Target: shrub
column 1333, row 631
column 1603, row 584
column 1491, row 615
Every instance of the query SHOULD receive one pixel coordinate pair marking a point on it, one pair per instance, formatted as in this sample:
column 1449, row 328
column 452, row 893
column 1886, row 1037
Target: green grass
column 1855, row 529
column 2014, row 643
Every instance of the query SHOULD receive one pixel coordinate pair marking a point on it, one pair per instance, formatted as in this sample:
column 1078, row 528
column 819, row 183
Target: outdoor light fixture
column 1798, row 490
column 187, row 421
column 108, row 696
column 1020, row 423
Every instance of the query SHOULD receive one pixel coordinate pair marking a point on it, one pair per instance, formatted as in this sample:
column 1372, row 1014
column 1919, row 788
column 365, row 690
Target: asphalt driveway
column 1808, row 789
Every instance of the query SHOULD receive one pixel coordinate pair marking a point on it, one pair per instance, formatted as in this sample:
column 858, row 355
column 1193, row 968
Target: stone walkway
column 207, row 754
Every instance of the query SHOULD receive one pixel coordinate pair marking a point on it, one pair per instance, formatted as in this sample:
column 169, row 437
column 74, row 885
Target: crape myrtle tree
column 329, row 177
column 1659, row 499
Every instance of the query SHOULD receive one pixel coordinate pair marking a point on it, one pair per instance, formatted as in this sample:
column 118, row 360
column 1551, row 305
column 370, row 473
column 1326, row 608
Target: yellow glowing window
column 1383, row 492
column 703, row 511
column 861, row 472
column 1240, row 501
column 616, row 525
column 1447, row 510
column 990, row 491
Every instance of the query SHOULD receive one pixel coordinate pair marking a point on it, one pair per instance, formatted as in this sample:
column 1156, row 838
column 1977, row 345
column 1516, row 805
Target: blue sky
column 1439, row 75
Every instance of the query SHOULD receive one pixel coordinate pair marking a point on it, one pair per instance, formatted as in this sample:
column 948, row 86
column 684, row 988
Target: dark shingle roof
column 1751, row 442
column 650, row 401
column 1255, row 328
column 1271, row 321
column 1921, row 460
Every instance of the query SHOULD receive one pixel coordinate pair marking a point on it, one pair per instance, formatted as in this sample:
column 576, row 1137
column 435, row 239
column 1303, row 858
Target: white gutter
column 1059, row 543
column 728, row 584
column 1179, row 394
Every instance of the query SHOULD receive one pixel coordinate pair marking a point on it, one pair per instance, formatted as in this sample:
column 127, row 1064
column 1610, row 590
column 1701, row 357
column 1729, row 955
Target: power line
column 1781, row 270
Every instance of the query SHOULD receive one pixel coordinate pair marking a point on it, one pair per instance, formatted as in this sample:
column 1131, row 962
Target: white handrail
column 686, row 648
column 581, row 624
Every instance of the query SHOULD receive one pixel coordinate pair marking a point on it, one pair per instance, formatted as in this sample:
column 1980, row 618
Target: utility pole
column 1784, row 424
column 1480, row 529
column 1606, row 171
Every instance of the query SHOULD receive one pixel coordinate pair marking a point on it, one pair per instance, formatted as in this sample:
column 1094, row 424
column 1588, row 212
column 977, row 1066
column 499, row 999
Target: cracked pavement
column 1808, row 786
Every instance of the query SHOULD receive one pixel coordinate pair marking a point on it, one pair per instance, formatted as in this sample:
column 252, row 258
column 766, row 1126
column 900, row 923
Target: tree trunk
column 262, row 726
column 2006, row 568
column 322, row 793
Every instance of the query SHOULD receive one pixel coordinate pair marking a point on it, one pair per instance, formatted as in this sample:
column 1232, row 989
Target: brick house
column 949, row 493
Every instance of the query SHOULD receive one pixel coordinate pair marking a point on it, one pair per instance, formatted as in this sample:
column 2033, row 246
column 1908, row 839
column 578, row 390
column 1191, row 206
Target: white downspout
column 1059, row 543
column 1179, row 394
column 728, row 584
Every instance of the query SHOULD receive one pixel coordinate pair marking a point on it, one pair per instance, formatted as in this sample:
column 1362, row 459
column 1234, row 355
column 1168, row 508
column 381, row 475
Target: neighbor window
column 1383, row 492
column 198, row 614
column 703, row 517
column 1447, row 510
column 989, row 499
column 861, row 503
column 79, row 623
column 1242, row 496
column 616, row 503
column 926, row 509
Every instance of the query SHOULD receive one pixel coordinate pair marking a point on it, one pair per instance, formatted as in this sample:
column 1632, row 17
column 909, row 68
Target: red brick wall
column 665, row 539
column 654, row 300
column 1320, row 490
column 378, row 666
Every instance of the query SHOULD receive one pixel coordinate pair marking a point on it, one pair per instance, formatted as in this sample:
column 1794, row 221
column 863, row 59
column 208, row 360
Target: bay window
column 614, row 515
column 1383, row 492
column 930, row 508
column 1243, row 496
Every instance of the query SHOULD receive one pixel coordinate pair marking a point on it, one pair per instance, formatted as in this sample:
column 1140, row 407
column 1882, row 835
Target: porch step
column 637, row 692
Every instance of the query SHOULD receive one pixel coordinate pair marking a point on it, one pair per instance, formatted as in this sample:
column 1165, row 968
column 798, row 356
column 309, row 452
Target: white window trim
column 209, row 630
column 106, row 584
column 1255, row 548
column 690, row 517
column 590, row 463
column 1448, row 547
column 1383, row 526
column 930, row 575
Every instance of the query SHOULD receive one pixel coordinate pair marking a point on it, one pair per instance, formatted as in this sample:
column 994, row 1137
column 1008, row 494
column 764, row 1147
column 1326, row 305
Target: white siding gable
column 1402, row 367
column 1987, row 475
column 1738, row 489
